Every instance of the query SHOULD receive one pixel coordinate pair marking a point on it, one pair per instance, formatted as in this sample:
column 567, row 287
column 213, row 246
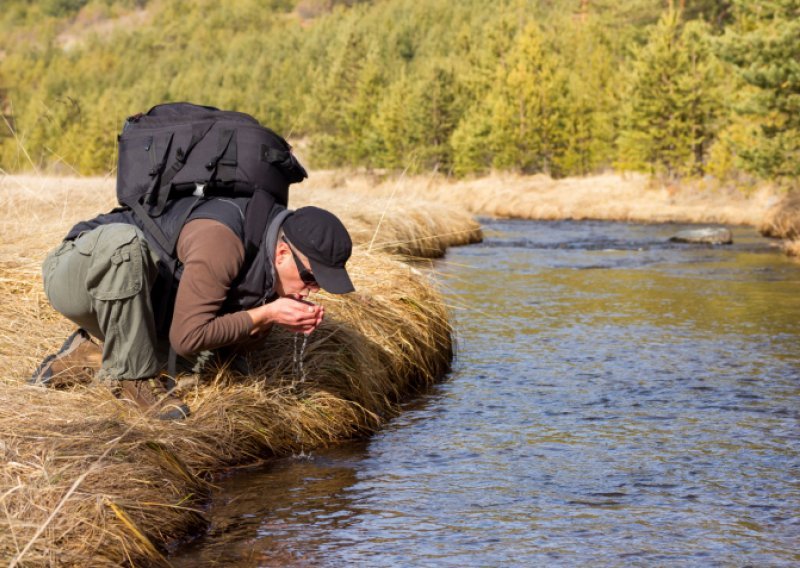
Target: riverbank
column 608, row 197
column 782, row 221
column 87, row 480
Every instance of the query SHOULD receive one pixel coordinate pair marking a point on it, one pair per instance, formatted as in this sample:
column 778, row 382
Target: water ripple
column 634, row 406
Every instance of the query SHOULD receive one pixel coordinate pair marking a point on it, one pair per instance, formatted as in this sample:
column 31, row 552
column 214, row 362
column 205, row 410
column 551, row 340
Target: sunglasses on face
column 305, row 275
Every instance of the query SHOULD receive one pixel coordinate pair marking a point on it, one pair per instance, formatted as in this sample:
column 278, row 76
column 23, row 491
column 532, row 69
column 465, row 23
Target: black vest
column 253, row 286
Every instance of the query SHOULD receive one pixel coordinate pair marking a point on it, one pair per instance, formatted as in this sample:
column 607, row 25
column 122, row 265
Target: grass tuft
column 783, row 219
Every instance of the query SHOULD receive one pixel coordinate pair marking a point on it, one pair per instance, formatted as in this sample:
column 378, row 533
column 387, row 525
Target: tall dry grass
column 416, row 227
column 610, row 197
column 792, row 247
column 783, row 219
column 87, row 480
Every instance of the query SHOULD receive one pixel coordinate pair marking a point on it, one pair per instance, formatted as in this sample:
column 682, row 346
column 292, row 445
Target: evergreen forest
column 675, row 88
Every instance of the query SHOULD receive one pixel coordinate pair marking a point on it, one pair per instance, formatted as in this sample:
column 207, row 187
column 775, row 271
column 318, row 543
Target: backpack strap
column 224, row 142
column 271, row 240
column 255, row 222
column 166, row 243
column 157, row 164
column 199, row 131
column 152, row 228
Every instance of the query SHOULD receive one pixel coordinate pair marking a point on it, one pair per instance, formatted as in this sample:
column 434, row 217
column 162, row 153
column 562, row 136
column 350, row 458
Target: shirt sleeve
column 212, row 256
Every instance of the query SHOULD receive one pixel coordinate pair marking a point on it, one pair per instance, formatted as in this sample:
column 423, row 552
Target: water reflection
column 617, row 400
column 292, row 501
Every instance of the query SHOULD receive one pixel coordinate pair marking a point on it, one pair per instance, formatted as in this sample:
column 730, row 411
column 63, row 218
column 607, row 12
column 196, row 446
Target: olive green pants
column 102, row 281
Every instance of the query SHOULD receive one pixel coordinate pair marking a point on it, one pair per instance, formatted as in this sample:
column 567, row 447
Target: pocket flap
column 115, row 271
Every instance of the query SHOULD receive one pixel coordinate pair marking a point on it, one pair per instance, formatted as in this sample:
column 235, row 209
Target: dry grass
column 85, row 479
column 783, row 219
column 610, row 197
column 792, row 247
column 410, row 227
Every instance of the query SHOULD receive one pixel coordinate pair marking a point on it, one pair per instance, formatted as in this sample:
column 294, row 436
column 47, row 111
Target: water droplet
column 298, row 358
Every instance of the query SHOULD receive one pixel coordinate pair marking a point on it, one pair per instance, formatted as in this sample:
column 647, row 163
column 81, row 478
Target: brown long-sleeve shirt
column 212, row 256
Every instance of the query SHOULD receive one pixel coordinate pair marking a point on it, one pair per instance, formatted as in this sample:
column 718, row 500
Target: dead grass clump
column 50, row 443
column 792, row 247
column 416, row 227
column 783, row 220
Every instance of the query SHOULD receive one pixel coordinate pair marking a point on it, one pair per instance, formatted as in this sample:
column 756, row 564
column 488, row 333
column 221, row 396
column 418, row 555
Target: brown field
column 613, row 197
column 87, row 480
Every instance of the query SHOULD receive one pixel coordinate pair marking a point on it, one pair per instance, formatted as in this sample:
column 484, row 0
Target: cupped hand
column 293, row 313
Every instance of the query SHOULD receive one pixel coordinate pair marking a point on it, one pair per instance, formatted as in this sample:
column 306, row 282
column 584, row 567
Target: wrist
column 261, row 315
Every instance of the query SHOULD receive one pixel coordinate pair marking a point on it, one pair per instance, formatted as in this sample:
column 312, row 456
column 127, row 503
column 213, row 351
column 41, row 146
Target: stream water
column 617, row 400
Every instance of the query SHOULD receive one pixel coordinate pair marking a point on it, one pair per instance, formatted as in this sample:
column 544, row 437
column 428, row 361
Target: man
column 108, row 278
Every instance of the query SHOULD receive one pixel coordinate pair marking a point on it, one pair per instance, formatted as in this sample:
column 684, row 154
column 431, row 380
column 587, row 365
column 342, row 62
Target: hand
column 293, row 313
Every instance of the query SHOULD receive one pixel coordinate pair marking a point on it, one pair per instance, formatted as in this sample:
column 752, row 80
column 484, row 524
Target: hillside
column 563, row 87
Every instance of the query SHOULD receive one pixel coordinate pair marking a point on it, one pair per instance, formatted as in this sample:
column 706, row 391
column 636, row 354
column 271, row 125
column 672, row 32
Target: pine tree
column 673, row 103
column 467, row 86
column 435, row 112
column 471, row 142
column 526, row 107
column 590, row 100
column 482, row 54
column 358, row 111
column 344, row 97
column 764, row 46
column 390, row 130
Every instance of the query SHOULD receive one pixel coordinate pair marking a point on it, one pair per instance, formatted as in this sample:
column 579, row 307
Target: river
column 617, row 400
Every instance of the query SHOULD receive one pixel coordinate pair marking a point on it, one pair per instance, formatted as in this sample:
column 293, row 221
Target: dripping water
column 298, row 357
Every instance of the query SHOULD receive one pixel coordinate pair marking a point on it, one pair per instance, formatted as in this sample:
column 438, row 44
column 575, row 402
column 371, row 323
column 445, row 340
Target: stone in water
column 706, row 235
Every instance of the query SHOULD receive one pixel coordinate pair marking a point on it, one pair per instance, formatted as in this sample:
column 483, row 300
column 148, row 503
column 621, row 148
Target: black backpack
column 177, row 150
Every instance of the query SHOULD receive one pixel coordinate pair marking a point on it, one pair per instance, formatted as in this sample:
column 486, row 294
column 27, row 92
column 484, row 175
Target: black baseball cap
column 321, row 236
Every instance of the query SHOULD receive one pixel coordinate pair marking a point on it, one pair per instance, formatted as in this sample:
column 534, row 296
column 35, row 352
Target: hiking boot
column 75, row 363
column 152, row 395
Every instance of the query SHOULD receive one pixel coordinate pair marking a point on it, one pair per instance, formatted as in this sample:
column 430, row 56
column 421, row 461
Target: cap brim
column 331, row 279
